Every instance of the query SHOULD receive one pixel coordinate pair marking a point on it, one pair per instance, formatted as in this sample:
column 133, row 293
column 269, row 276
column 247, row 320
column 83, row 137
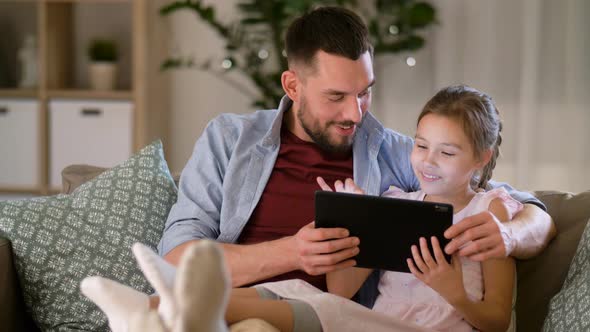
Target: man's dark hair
column 334, row 30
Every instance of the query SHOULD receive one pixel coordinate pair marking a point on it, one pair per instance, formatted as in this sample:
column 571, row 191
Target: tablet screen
column 386, row 227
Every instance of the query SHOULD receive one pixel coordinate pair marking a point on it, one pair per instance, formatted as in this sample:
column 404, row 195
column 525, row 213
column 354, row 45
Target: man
column 250, row 181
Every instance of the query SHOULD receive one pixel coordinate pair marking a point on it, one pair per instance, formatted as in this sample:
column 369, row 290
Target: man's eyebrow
column 370, row 84
column 334, row 92
column 339, row 93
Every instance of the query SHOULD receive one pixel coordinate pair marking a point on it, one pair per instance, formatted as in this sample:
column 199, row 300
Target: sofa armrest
column 541, row 277
column 13, row 316
column 74, row 176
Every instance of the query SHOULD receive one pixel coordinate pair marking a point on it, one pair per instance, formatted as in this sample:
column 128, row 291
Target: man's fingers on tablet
column 351, row 187
column 311, row 225
column 333, row 246
column 322, row 234
column 332, row 233
column 322, row 263
column 338, row 186
column 322, row 183
column 334, row 258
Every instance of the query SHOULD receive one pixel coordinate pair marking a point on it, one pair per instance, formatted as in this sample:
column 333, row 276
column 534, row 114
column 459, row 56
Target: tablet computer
column 387, row 227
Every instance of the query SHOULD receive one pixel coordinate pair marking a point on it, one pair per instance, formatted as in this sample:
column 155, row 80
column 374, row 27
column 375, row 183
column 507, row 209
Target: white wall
column 486, row 44
column 197, row 96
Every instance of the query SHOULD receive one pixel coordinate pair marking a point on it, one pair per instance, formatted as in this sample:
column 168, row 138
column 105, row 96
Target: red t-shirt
column 287, row 203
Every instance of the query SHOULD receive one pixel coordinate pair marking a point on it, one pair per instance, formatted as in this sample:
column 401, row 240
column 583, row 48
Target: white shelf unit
column 56, row 135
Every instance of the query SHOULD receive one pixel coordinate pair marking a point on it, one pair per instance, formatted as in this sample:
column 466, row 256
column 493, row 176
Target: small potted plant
column 103, row 64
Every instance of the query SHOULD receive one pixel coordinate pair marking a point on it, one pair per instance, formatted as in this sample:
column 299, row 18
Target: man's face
column 333, row 100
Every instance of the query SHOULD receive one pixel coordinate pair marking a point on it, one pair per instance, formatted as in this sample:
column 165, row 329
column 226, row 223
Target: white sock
column 117, row 301
column 146, row 321
column 161, row 276
column 202, row 289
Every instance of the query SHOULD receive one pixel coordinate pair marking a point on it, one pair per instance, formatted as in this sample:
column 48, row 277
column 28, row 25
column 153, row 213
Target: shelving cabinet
column 19, row 118
column 60, row 120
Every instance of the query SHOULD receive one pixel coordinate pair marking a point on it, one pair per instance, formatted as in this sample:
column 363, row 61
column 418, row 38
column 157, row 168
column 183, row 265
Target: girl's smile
column 444, row 160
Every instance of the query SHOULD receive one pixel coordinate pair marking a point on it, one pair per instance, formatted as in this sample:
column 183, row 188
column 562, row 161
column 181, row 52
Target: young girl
column 456, row 146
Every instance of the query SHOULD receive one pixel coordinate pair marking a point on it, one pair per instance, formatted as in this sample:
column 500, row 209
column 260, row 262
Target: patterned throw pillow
column 569, row 310
column 59, row 240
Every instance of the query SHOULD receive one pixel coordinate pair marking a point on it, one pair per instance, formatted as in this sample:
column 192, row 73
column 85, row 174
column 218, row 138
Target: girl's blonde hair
column 480, row 119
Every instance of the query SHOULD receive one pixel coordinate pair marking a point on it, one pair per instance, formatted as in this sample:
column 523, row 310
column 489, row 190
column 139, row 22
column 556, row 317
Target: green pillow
column 569, row 310
column 59, row 240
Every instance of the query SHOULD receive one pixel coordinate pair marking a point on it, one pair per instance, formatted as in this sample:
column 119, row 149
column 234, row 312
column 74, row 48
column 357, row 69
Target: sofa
column 539, row 278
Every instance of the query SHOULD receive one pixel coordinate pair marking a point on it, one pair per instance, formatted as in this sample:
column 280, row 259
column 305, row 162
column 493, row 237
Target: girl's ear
column 291, row 84
column 486, row 156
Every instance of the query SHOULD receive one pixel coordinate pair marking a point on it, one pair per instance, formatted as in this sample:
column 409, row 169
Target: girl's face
column 443, row 157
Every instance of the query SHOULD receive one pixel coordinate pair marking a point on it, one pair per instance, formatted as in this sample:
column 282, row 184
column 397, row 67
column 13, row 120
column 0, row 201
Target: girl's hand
column 348, row 186
column 444, row 278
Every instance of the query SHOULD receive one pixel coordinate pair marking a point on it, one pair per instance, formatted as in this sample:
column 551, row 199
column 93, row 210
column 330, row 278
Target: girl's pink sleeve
column 394, row 192
column 513, row 205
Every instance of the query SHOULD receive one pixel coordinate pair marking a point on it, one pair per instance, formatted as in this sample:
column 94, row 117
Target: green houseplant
column 254, row 42
column 103, row 56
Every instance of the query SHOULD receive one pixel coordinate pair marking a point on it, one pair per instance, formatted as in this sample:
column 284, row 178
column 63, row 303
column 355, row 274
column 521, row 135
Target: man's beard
column 320, row 135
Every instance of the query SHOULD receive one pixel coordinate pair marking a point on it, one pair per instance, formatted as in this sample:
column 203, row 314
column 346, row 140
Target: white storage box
column 19, row 144
column 97, row 133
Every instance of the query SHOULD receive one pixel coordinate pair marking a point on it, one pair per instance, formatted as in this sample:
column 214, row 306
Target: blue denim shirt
column 233, row 159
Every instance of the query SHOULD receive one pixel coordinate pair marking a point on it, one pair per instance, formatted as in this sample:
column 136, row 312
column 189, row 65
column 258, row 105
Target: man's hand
column 322, row 250
column 348, row 186
column 487, row 237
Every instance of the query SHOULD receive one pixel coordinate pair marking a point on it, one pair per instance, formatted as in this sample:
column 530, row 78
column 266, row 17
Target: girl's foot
column 117, row 301
column 202, row 289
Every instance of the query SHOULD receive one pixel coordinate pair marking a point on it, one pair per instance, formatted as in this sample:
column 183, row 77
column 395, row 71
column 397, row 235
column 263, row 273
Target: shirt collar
column 273, row 135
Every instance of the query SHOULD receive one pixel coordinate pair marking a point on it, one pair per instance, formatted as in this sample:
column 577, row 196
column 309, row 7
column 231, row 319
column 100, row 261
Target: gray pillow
column 569, row 310
column 59, row 240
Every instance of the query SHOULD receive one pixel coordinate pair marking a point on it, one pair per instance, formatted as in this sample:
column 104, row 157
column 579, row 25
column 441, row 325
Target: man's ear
column 291, row 84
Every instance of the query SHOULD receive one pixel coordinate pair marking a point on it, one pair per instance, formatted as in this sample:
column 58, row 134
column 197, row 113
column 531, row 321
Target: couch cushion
column 74, row 176
column 59, row 240
column 569, row 310
column 541, row 277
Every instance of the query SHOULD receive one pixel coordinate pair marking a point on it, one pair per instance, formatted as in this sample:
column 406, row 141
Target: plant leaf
column 421, row 14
